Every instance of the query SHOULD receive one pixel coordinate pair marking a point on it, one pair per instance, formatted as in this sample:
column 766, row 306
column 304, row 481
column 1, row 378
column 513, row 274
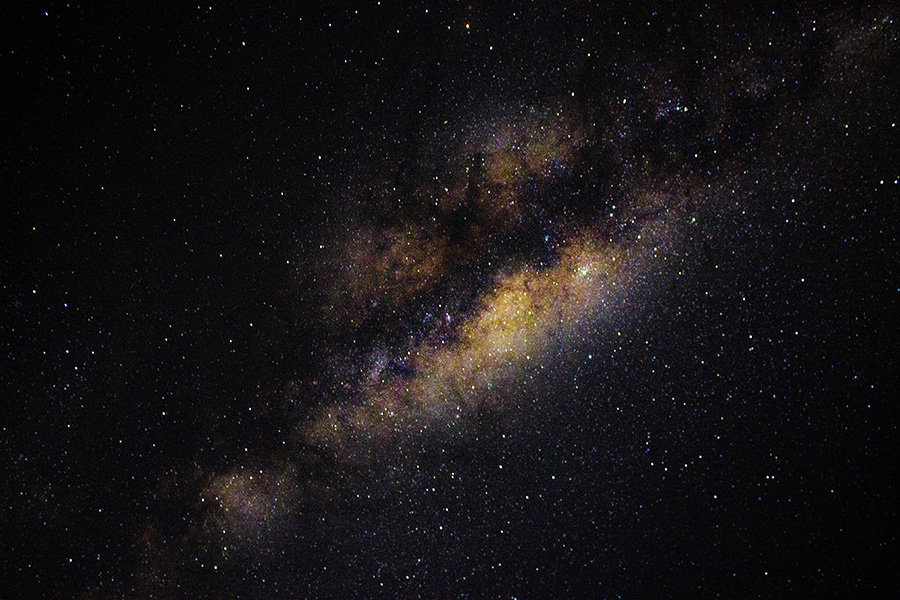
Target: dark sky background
column 449, row 300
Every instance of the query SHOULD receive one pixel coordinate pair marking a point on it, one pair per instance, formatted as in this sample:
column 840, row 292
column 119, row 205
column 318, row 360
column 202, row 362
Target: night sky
column 449, row 300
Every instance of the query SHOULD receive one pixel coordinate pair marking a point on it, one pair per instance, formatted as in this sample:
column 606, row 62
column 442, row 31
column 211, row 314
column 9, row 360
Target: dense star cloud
column 450, row 301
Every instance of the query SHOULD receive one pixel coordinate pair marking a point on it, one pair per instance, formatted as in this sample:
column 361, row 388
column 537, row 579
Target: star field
column 452, row 300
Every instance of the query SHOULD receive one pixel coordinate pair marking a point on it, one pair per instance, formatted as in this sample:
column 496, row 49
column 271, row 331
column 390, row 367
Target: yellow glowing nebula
column 517, row 321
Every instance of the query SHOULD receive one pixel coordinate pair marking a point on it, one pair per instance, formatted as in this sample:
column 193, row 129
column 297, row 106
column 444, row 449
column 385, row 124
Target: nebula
column 446, row 300
column 521, row 319
column 551, row 254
